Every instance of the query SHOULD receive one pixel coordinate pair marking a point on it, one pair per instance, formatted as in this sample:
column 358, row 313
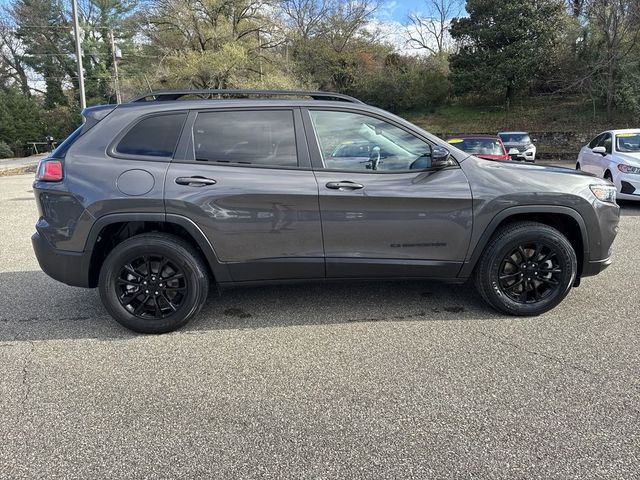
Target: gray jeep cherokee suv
column 151, row 200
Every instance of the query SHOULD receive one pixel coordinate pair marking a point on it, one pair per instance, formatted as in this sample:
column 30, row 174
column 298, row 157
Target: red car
column 481, row 146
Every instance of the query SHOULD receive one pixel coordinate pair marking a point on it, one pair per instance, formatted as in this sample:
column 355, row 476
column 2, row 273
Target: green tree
column 612, row 48
column 44, row 32
column 503, row 45
column 20, row 120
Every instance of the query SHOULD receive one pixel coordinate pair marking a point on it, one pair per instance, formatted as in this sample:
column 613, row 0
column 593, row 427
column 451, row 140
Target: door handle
column 346, row 185
column 195, row 181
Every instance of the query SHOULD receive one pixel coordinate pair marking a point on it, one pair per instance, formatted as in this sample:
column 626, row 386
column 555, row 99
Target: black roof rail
column 168, row 95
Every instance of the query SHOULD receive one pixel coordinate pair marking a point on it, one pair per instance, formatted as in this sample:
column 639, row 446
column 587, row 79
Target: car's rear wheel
column 526, row 269
column 153, row 283
column 578, row 166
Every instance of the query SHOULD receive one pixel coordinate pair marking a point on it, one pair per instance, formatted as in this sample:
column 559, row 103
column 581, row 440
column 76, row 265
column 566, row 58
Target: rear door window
column 155, row 136
column 260, row 138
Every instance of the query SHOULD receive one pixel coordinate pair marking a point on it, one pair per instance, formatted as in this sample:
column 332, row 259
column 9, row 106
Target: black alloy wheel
column 530, row 273
column 151, row 287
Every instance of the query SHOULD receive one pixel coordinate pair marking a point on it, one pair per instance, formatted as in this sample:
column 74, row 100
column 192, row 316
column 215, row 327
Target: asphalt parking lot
column 365, row 380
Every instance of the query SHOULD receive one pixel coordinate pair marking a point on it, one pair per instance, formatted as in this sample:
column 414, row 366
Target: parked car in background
column 520, row 141
column 615, row 156
column 481, row 146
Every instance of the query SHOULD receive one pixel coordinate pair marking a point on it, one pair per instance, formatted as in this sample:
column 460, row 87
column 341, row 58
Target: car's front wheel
column 526, row 269
column 153, row 283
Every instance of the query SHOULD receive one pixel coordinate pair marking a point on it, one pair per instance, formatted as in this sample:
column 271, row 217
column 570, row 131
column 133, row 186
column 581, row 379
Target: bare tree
column 346, row 18
column 577, row 7
column 617, row 22
column 12, row 66
column 429, row 30
column 306, row 15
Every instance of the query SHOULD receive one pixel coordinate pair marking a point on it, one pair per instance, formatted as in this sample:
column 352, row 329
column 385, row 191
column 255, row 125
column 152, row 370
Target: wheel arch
column 565, row 219
column 110, row 230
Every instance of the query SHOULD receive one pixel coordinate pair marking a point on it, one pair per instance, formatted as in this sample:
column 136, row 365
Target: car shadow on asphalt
column 35, row 307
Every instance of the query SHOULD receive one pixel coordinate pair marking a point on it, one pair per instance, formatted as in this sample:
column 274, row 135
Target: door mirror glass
column 600, row 150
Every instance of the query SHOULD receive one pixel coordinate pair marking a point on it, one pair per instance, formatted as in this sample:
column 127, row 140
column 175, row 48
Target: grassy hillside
column 561, row 126
column 541, row 114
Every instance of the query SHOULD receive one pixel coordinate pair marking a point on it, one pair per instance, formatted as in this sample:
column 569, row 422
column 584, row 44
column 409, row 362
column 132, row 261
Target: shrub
column 5, row 151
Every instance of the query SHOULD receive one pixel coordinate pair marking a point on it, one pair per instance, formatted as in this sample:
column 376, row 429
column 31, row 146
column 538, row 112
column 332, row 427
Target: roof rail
column 167, row 95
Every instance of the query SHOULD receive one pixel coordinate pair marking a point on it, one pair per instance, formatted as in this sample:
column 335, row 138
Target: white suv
column 519, row 145
column 615, row 155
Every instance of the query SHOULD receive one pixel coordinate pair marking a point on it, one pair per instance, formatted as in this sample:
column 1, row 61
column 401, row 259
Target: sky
column 389, row 19
column 396, row 10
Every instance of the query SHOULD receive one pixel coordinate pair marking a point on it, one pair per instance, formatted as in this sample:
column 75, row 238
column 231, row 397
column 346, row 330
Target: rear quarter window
column 155, row 136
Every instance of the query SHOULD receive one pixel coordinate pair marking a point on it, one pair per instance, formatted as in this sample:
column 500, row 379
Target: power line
column 98, row 54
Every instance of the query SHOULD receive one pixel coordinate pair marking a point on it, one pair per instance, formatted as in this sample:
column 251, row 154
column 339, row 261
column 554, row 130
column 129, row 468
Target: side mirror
column 600, row 150
column 534, row 140
column 440, row 157
column 513, row 151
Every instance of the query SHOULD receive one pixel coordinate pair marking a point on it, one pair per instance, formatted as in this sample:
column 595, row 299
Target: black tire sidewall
column 136, row 247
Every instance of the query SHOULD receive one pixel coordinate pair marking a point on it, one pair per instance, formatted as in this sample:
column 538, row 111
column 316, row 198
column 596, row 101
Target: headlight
column 628, row 169
column 604, row 193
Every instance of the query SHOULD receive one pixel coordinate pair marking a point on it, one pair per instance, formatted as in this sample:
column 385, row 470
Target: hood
column 632, row 159
column 494, row 157
column 531, row 167
column 517, row 144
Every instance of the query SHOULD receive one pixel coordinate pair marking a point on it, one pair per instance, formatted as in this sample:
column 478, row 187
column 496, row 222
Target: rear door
column 387, row 214
column 244, row 177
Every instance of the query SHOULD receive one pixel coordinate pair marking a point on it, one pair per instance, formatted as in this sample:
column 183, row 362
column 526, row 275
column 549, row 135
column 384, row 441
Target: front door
column 385, row 211
column 244, row 178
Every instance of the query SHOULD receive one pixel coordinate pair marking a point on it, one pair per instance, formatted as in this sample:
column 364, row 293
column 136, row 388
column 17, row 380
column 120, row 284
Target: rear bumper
column 67, row 267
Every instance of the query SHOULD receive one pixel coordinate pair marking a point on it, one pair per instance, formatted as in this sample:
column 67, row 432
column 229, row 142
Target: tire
column 608, row 176
column 578, row 166
column 176, row 278
column 525, row 288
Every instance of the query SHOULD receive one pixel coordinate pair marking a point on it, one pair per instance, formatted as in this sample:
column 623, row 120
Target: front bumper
column 528, row 156
column 628, row 186
column 67, row 267
column 594, row 267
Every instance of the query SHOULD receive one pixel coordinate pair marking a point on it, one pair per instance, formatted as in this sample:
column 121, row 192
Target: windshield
column 628, row 142
column 478, row 146
column 515, row 137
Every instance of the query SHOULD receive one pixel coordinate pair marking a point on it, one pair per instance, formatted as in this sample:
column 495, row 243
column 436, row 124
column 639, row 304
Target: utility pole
column 114, row 56
column 76, row 31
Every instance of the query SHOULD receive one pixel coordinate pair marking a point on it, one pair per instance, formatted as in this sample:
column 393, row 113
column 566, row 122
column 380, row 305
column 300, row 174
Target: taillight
column 49, row 170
